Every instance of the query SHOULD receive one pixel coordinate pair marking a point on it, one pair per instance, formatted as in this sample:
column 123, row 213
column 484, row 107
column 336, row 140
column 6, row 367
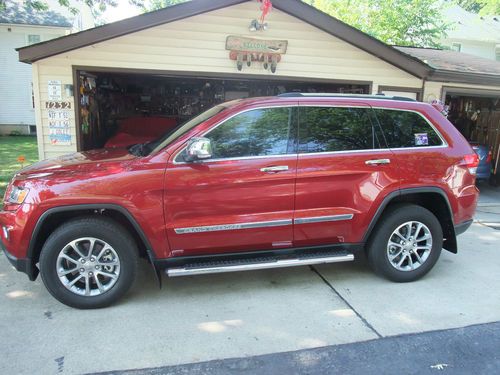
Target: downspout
column 424, row 80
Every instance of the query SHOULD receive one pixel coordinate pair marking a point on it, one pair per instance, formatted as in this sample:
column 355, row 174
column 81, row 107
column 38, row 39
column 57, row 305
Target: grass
column 11, row 148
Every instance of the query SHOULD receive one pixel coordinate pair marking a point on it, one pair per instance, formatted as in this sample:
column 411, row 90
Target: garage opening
column 121, row 109
column 476, row 115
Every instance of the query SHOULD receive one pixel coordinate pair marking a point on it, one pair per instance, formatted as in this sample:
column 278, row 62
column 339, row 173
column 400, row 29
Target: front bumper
column 21, row 264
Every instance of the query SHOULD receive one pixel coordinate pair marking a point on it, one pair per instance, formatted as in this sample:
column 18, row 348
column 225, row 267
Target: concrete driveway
column 203, row 318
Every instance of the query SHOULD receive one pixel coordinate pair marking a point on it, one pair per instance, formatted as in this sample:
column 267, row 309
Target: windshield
column 175, row 133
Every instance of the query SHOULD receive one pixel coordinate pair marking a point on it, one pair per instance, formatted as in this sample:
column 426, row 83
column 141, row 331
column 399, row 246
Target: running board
column 260, row 263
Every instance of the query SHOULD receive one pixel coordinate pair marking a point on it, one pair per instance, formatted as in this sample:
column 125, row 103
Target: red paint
column 162, row 195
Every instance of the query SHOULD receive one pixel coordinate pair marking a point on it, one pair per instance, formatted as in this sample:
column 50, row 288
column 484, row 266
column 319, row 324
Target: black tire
column 105, row 230
column 378, row 245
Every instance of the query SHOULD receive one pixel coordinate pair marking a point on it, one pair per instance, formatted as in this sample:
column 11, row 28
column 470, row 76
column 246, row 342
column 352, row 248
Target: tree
column 482, row 7
column 97, row 6
column 149, row 5
column 397, row 22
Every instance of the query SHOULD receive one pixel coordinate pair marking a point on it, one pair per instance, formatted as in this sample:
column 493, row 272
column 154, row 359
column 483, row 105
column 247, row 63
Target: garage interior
column 477, row 116
column 120, row 109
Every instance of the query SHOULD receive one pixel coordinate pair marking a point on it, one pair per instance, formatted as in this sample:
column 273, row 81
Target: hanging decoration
column 247, row 50
column 260, row 24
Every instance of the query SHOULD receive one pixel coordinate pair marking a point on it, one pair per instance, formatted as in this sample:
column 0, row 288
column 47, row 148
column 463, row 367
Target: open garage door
column 476, row 114
column 119, row 109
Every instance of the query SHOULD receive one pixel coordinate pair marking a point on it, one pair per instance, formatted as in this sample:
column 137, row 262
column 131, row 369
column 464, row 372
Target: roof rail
column 335, row 95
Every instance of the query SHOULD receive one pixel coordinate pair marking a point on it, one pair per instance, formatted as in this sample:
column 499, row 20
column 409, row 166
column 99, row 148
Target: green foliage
column 150, row 5
column 482, row 7
column 99, row 6
column 10, row 150
column 396, row 22
column 96, row 6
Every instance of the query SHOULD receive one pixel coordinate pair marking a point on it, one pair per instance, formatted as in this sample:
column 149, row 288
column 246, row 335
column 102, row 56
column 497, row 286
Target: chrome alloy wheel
column 409, row 246
column 88, row 266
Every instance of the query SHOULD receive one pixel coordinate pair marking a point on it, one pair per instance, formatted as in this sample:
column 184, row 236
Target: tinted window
column 406, row 129
column 325, row 129
column 254, row 133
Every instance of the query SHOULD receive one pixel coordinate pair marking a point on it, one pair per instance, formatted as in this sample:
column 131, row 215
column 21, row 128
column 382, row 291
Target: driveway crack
column 365, row 322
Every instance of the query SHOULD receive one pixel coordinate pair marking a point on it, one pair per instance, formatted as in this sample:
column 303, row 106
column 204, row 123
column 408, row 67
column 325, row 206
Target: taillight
column 489, row 157
column 471, row 161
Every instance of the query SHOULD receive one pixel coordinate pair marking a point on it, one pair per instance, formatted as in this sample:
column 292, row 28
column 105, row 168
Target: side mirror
column 198, row 148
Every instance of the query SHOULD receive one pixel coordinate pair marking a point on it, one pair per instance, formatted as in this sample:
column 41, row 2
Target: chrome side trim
column 262, row 224
column 181, row 271
column 216, row 228
column 320, row 219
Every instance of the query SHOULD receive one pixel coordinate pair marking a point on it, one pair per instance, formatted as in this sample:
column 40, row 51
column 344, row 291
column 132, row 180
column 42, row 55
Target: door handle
column 274, row 169
column 378, row 161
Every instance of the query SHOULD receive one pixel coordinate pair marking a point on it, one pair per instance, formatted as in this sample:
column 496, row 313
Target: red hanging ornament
column 266, row 7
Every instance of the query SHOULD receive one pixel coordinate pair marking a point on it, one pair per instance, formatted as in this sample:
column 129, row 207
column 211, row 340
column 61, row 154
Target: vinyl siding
column 197, row 44
column 16, row 77
column 434, row 90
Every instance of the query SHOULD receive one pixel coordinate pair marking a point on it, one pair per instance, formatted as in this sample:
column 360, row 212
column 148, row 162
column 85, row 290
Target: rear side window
column 328, row 129
column 406, row 129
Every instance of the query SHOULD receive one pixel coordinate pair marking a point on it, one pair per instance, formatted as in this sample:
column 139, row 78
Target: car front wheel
column 88, row 262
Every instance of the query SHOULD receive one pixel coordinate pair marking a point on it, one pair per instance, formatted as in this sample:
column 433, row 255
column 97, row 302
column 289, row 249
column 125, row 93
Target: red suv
column 282, row 181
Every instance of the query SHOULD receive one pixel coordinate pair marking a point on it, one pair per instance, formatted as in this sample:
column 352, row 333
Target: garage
column 118, row 109
column 130, row 81
column 469, row 88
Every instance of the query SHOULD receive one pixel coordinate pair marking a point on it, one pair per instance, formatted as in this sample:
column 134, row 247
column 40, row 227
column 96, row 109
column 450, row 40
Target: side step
column 260, row 263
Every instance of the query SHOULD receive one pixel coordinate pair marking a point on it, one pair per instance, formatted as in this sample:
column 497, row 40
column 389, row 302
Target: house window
column 456, row 47
column 33, row 39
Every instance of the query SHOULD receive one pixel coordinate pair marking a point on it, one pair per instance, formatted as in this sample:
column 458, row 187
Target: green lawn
column 11, row 148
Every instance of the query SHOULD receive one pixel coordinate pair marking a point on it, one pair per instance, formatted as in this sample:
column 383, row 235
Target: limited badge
column 421, row 139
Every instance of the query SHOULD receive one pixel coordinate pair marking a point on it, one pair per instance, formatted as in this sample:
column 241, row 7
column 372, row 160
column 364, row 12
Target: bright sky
column 123, row 10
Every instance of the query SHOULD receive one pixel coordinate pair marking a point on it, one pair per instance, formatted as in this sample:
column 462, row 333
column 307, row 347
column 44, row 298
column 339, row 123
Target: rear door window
column 406, row 129
column 330, row 129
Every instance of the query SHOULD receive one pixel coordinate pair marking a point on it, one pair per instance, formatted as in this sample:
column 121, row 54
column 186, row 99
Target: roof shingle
column 453, row 61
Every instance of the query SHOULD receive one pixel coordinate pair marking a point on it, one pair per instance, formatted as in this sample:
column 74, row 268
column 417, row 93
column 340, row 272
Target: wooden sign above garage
column 268, row 52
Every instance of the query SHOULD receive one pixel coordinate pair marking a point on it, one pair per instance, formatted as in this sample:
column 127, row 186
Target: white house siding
column 15, row 77
column 476, row 48
column 434, row 90
column 198, row 44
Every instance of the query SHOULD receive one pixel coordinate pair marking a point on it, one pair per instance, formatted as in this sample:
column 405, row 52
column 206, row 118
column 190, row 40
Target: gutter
column 442, row 75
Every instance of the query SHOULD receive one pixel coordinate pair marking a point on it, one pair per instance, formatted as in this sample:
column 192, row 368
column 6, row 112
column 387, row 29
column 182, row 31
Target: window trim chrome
column 298, row 153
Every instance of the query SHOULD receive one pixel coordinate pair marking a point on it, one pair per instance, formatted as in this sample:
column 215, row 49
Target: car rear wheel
column 88, row 263
column 406, row 244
